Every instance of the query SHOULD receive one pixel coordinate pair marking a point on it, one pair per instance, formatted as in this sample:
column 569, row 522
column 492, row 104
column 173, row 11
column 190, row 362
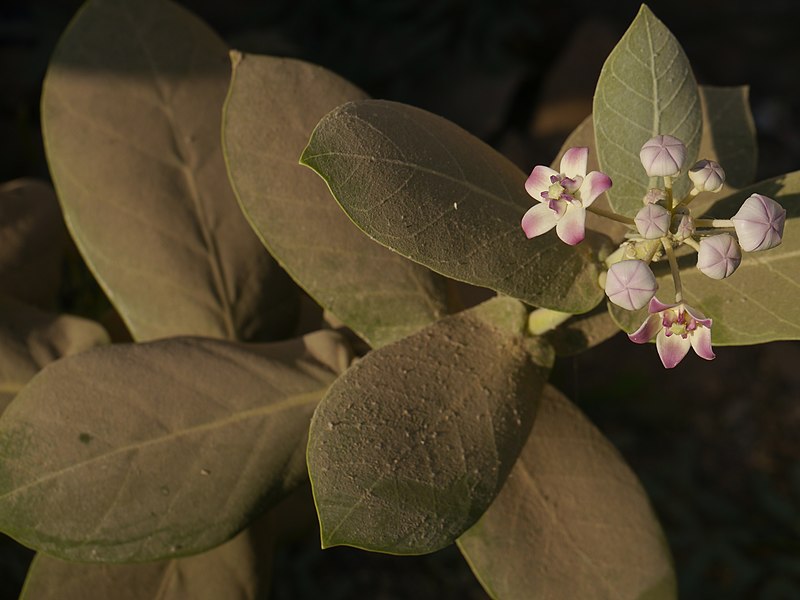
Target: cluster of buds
column 660, row 227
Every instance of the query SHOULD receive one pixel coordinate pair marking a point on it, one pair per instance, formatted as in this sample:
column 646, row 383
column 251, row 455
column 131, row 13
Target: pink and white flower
column 630, row 284
column 663, row 156
column 759, row 223
column 719, row 256
column 707, row 176
column 676, row 327
column 563, row 197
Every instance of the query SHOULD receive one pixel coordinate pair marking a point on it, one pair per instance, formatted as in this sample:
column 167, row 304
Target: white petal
column 575, row 161
column 538, row 220
column 571, row 226
column 647, row 330
column 700, row 339
column 672, row 349
column 539, row 181
column 594, row 184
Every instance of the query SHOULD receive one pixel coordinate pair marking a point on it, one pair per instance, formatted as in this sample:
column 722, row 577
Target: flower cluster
column 659, row 228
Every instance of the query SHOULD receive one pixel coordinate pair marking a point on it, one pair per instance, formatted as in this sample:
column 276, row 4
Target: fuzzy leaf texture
column 411, row 444
column 140, row 452
column 233, row 571
column 273, row 106
column 572, row 520
column 646, row 88
column 432, row 192
column 131, row 115
column 758, row 303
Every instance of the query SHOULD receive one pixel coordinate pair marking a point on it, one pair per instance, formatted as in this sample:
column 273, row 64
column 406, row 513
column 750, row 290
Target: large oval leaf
column 31, row 338
column 236, row 570
column 646, row 88
column 429, row 190
column 32, row 242
column 758, row 303
column 139, row 452
column 131, row 114
column 413, row 442
column 572, row 520
column 272, row 107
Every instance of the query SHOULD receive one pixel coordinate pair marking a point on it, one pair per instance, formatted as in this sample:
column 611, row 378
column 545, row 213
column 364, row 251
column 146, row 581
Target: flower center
column 562, row 189
column 678, row 322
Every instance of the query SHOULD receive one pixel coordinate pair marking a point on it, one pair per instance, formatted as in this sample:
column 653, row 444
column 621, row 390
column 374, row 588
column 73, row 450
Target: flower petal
column 701, row 342
column 647, row 330
column 594, row 184
column 539, row 181
column 575, row 161
column 672, row 349
column 570, row 227
column 656, row 306
column 538, row 220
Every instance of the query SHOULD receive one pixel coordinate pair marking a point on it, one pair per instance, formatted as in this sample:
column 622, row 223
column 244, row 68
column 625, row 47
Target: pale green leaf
column 429, row 190
column 758, row 303
column 412, row 443
column 646, row 88
column 572, row 520
column 236, row 570
column 272, row 107
column 32, row 242
column 145, row 451
column 31, row 338
column 131, row 115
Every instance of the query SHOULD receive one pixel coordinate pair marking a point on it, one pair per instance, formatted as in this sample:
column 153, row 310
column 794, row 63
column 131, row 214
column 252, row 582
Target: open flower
column 563, row 197
column 676, row 327
column 759, row 223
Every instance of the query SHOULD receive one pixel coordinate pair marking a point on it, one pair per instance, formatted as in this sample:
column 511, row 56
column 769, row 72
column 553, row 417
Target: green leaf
column 131, row 115
column 429, row 190
column 146, row 451
column 646, row 88
column 32, row 242
column 31, row 338
column 235, row 570
column 572, row 520
column 758, row 303
column 413, row 442
column 376, row 292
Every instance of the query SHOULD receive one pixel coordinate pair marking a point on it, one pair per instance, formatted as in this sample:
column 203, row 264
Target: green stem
column 668, row 191
column 692, row 243
column 610, row 215
column 673, row 267
column 690, row 196
column 713, row 223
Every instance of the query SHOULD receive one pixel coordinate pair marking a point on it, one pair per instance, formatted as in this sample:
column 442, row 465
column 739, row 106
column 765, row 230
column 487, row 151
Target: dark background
column 715, row 444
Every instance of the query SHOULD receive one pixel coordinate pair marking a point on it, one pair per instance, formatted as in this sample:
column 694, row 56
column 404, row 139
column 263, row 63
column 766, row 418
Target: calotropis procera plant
column 145, row 466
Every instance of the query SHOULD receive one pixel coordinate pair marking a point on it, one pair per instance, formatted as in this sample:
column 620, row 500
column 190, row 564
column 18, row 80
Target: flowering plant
column 277, row 324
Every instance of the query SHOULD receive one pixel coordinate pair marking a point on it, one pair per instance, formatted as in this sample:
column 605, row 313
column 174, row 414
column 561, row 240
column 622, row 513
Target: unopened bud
column 707, row 176
column 682, row 224
column 630, row 284
column 652, row 221
column 719, row 256
column 663, row 156
column 654, row 196
column 759, row 223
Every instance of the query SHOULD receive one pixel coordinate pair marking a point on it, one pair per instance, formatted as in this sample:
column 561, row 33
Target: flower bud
column 719, row 256
column 759, row 223
column 663, row 156
column 707, row 176
column 630, row 284
column 654, row 196
column 652, row 221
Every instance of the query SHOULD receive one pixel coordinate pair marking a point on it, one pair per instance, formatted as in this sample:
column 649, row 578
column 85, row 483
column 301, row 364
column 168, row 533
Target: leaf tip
column 236, row 58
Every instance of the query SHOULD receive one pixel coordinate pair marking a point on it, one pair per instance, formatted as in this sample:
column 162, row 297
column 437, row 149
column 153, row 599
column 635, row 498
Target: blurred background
column 717, row 445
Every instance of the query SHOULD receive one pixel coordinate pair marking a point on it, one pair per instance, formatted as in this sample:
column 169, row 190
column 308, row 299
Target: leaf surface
column 31, row 338
column 131, row 115
column 646, row 88
column 236, row 570
column 146, row 451
column 758, row 303
column 430, row 191
column 32, row 242
column 376, row 292
column 412, row 443
column 572, row 520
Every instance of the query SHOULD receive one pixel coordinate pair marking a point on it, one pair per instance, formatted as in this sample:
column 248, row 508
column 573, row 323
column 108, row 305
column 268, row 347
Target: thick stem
column 690, row 196
column 713, row 223
column 692, row 243
column 673, row 267
column 610, row 215
column 668, row 191
column 543, row 320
